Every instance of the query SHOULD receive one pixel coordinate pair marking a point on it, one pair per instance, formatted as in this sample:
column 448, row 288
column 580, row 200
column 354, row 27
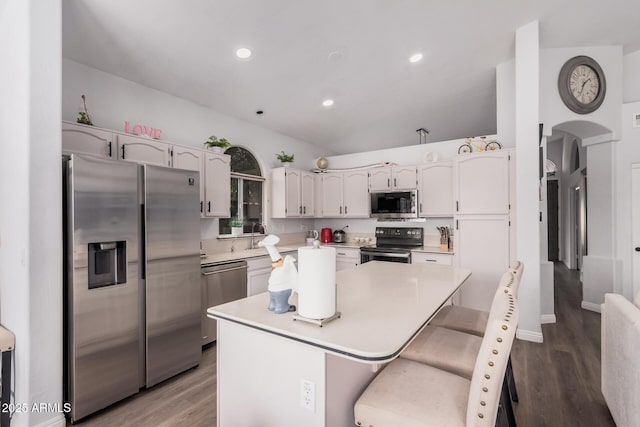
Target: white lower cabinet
column 258, row 273
column 482, row 246
column 347, row 258
column 431, row 258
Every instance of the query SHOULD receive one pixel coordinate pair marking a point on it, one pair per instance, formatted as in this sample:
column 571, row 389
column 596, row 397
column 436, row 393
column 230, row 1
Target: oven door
column 403, row 257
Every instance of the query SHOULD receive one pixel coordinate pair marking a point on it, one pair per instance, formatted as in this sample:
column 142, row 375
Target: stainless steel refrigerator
column 132, row 290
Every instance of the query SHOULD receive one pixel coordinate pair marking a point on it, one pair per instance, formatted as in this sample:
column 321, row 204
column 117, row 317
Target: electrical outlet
column 636, row 120
column 308, row 395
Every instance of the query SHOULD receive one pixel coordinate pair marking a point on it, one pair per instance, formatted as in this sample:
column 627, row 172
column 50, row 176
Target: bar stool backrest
column 491, row 363
column 517, row 267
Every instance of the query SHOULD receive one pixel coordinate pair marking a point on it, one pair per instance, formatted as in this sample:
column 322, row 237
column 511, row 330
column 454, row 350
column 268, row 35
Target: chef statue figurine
column 284, row 277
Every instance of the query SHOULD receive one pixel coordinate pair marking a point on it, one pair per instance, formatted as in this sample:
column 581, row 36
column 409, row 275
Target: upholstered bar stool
column 408, row 393
column 469, row 320
column 474, row 322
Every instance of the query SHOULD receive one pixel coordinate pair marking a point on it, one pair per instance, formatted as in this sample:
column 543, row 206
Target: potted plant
column 285, row 159
column 218, row 145
column 83, row 115
column 236, row 226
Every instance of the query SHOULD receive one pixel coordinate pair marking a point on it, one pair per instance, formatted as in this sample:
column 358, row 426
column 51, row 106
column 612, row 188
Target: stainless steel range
column 393, row 244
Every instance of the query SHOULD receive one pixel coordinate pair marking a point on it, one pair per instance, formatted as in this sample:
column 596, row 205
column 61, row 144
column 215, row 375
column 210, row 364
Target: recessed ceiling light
column 327, row 103
column 243, row 53
column 416, row 57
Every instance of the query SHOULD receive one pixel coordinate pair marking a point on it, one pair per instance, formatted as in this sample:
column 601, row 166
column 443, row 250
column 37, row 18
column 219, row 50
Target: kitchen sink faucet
column 253, row 226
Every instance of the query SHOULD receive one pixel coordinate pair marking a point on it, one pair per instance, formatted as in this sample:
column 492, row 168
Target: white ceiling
column 186, row 48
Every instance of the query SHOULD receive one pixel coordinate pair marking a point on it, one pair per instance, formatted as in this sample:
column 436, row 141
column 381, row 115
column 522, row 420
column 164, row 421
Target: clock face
column 584, row 84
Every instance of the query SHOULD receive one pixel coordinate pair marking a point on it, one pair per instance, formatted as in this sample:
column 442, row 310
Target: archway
column 582, row 151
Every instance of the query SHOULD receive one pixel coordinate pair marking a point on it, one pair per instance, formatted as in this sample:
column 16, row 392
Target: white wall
column 630, row 80
column 506, row 102
column 31, row 208
column 552, row 109
column 112, row 101
column 527, row 97
column 627, row 152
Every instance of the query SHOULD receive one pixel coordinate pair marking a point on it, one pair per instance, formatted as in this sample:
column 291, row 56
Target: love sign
column 142, row 130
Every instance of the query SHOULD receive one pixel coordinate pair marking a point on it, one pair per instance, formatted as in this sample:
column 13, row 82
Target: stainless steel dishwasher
column 223, row 282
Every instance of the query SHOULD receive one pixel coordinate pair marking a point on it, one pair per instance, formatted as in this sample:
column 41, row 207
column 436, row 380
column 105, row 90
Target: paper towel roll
column 316, row 282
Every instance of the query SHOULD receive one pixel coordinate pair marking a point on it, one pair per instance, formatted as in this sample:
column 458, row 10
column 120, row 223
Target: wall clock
column 582, row 85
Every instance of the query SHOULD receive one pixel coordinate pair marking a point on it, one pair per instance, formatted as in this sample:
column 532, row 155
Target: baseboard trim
column 547, row 318
column 529, row 335
column 57, row 421
column 591, row 306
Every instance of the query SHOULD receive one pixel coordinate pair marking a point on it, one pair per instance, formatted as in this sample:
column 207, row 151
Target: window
column 246, row 192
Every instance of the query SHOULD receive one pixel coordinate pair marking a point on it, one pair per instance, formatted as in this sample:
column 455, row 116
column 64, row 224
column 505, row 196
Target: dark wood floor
column 558, row 381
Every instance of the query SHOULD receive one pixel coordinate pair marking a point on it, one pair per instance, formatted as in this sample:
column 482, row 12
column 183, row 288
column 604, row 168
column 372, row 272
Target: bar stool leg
column 506, row 403
column 513, row 391
column 5, row 419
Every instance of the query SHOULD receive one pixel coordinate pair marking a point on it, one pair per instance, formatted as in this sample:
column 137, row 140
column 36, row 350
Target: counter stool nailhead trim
column 480, row 416
column 485, row 389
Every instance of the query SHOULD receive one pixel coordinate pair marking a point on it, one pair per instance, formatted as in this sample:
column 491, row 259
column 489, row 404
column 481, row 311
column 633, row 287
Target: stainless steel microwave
column 394, row 204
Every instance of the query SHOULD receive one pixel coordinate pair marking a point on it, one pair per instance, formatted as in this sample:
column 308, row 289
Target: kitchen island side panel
column 260, row 375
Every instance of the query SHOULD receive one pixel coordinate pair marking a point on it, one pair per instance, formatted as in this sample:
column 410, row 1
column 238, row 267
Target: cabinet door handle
column 388, row 182
column 201, row 206
column 345, row 210
column 304, row 210
column 123, row 151
column 109, row 145
column 431, row 260
column 420, row 207
column 395, row 184
column 456, row 206
column 340, row 210
column 300, row 210
column 208, row 206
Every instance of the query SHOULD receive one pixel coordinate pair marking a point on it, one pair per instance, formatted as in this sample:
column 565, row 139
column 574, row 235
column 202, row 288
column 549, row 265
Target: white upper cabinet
column 435, row 189
column 356, row 199
column 83, row 139
column 143, row 150
column 344, row 195
column 317, row 195
column 332, row 190
column 307, row 198
column 217, row 172
column 482, row 183
column 291, row 193
column 191, row 159
column 394, row 178
column 403, row 178
column 380, row 179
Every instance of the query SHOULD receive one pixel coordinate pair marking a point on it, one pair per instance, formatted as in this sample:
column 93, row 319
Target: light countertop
column 219, row 257
column 383, row 305
column 432, row 250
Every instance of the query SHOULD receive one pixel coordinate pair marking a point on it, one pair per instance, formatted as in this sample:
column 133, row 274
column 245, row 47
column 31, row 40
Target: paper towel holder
column 319, row 322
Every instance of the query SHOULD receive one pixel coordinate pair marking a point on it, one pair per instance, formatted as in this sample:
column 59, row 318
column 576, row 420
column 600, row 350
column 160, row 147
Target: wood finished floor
column 558, row 381
column 188, row 399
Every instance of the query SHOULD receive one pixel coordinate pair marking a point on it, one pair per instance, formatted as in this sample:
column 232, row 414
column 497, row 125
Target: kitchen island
column 267, row 362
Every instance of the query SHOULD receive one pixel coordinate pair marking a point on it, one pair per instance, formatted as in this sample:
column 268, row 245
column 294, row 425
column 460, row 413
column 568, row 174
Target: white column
column 527, row 179
column 31, row 204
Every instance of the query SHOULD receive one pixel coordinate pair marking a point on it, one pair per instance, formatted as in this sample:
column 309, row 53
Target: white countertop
column 239, row 255
column 432, row 250
column 383, row 305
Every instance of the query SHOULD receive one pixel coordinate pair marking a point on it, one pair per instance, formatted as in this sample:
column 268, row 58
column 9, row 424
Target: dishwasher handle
column 209, row 273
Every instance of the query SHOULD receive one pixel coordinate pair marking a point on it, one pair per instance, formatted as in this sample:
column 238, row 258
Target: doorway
column 580, row 220
column 553, row 242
